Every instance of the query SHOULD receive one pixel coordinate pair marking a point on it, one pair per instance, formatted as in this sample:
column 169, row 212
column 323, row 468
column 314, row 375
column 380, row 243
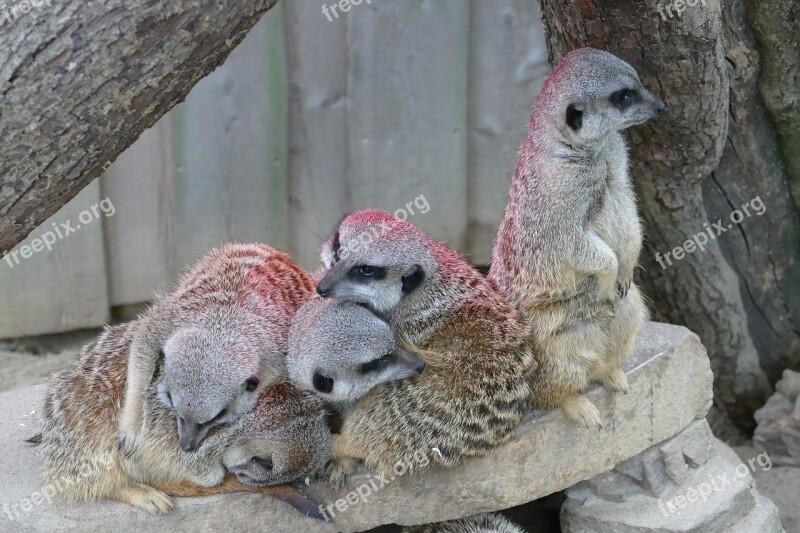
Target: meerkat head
column 210, row 377
column 340, row 350
column 376, row 259
column 590, row 94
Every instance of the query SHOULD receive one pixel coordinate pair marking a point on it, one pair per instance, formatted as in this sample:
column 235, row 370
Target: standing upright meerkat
column 341, row 350
column 283, row 438
column 475, row 389
column 570, row 240
column 222, row 337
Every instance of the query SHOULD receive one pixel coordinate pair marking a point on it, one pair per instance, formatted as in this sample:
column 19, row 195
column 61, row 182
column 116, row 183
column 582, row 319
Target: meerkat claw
column 616, row 381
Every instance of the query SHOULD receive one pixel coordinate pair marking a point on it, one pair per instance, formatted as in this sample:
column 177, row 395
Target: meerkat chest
column 614, row 216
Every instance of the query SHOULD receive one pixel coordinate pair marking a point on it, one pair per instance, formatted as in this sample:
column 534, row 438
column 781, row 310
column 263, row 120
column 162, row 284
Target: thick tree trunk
column 713, row 152
column 80, row 81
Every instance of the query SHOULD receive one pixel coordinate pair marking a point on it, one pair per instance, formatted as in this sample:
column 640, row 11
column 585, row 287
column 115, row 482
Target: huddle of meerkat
column 221, row 337
column 79, row 438
column 570, row 240
column 340, row 350
column 475, row 389
column 207, row 361
column 481, row 523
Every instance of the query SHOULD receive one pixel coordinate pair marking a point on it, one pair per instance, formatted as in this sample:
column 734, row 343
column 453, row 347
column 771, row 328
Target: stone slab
column 670, row 382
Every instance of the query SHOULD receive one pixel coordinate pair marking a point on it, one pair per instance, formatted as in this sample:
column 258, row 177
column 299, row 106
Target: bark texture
column 714, row 151
column 80, row 81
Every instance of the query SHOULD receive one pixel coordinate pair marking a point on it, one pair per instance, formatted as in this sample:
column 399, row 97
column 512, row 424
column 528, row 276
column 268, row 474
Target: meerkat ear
column 413, row 279
column 574, row 117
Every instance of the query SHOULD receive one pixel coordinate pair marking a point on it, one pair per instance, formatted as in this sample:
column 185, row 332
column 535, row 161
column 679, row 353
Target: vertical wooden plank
column 317, row 59
column 229, row 149
column 139, row 238
column 62, row 288
column 507, row 65
column 408, row 110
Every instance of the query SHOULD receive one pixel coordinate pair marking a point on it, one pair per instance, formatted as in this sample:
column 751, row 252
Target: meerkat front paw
column 623, row 285
column 581, row 411
column 146, row 498
column 616, row 381
column 338, row 470
column 127, row 440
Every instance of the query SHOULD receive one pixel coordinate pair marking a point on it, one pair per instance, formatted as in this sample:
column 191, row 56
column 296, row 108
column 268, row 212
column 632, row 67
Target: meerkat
column 570, row 240
column 340, row 350
column 222, row 338
column 481, row 523
column 79, row 438
column 473, row 393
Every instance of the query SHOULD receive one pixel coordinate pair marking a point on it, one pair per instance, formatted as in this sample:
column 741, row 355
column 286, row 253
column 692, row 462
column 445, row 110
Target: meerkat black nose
column 660, row 107
column 188, row 446
column 323, row 290
column 419, row 367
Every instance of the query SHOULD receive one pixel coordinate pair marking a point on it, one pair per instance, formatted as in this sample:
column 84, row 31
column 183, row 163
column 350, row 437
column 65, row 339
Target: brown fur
column 80, row 414
column 473, row 395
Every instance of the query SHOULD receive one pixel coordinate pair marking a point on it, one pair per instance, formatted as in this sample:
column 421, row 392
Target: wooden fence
column 390, row 103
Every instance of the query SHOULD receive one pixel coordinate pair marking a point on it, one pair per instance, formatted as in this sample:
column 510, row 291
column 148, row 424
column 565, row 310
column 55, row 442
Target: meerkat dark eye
column 368, row 271
column 251, row 384
column 335, row 246
column 376, row 365
column 624, row 98
column 161, row 354
column 169, row 397
column 216, row 418
column 322, row 383
column 574, row 117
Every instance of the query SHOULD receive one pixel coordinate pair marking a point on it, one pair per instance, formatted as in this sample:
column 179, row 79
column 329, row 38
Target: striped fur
column 473, row 394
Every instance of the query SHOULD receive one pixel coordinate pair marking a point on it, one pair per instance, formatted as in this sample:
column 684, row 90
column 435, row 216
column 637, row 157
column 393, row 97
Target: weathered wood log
column 713, row 152
column 80, row 81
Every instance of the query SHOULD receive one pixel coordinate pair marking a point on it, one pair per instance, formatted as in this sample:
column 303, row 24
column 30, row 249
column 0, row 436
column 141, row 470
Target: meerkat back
column 222, row 336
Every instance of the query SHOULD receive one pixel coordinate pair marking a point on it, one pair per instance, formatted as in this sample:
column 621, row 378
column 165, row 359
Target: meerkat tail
column 286, row 493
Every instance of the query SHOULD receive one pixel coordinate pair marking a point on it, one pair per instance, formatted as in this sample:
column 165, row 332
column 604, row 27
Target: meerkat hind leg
column 616, row 381
column 581, row 411
column 621, row 334
column 144, row 497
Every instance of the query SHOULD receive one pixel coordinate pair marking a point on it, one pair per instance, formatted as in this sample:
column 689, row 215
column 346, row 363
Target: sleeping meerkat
column 475, row 389
column 221, row 336
column 568, row 245
column 341, row 350
column 79, row 438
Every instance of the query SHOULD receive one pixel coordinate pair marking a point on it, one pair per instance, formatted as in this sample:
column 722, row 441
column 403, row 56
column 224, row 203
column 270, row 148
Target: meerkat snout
column 341, row 350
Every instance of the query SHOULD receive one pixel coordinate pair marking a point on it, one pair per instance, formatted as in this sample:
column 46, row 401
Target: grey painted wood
column 65, row 287
column 407, row 115
column 318, row 194
column 140, row 236
column 508, row 63
column 229, row 149
column 307, row 119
